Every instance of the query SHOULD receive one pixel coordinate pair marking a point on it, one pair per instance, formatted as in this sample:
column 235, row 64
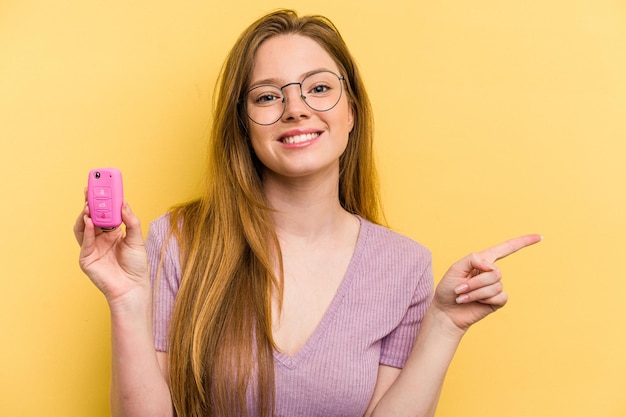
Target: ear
column 351, row 117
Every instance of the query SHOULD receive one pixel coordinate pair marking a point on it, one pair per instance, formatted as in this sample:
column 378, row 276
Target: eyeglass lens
column 321, row 91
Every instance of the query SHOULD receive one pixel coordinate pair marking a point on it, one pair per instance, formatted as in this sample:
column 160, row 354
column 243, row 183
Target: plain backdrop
column 493, row 119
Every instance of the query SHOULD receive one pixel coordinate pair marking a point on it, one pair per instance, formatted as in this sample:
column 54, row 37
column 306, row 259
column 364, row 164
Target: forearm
column 138, row 386
column 416, row 391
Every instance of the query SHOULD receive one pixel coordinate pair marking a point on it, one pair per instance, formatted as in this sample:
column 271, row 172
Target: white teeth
column 300, row 138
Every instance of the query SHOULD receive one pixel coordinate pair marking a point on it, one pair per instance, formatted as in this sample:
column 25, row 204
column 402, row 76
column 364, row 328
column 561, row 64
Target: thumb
column 471, row 263
column 133, row 226
column 88, row 238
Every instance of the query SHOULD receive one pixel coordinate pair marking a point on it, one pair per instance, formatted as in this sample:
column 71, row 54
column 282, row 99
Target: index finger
column 505, row 249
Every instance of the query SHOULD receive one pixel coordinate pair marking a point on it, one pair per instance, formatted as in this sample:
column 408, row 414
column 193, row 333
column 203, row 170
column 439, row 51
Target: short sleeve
column 164, row 262
column 396, row 346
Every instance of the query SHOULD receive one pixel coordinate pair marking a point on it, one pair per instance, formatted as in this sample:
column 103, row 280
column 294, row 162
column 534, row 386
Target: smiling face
column 303, row 142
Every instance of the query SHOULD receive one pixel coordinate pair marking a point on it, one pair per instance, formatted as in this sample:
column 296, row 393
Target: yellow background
column 493, row 119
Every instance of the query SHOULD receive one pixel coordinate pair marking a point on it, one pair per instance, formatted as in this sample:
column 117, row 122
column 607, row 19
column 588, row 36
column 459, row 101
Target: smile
column 299, row 138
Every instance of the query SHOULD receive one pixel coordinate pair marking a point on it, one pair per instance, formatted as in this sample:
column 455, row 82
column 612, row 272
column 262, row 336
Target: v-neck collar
column 292, row 361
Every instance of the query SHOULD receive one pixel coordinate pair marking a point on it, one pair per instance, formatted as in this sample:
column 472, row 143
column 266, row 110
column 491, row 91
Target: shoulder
column 159, row 232
column 388, row 243
column 160, row 226
column 393, row 271
column 160, row 238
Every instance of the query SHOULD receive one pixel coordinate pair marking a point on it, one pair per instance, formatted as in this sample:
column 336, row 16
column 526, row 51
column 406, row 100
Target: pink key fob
column 105, row 196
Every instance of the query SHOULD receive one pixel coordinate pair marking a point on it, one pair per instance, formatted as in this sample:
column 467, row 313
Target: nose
column 295, row 107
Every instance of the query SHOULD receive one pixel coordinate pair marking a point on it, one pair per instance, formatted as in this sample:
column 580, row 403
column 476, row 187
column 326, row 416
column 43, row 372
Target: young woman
column 279, row 292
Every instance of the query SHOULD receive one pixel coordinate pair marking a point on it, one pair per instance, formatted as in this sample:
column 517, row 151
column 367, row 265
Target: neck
column 306, row 208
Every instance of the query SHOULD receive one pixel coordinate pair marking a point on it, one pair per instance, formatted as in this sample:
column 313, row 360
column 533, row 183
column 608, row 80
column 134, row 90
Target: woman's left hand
column 472, row 287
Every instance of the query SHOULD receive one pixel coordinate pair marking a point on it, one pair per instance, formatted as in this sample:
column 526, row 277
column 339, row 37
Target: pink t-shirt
column 373, row 319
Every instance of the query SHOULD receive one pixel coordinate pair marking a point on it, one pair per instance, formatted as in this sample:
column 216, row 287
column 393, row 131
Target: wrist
column 443, row 323
column 137, row 303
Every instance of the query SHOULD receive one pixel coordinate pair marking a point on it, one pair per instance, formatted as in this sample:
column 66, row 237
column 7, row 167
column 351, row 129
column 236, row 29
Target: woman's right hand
column 115, row 261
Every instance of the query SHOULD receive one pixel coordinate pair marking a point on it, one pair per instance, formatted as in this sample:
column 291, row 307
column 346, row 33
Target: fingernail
column 489, row 265
column 461, row 299
column 461, row 289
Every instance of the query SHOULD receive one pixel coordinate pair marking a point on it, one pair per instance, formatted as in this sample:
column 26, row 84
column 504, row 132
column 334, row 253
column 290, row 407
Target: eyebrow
column 277, row 82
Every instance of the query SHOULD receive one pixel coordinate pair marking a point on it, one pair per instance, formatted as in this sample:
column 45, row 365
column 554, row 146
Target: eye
column 264, row 95
column 320, row 89
column 266, row 98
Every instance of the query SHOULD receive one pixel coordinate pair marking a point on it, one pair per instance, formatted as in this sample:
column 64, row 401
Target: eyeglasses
column 320, row 91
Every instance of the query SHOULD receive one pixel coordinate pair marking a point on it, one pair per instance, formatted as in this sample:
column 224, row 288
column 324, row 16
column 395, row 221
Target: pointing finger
column 509, row 247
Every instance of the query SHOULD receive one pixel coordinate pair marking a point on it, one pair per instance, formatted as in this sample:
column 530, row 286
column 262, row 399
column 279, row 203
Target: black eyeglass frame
column 284, row 96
